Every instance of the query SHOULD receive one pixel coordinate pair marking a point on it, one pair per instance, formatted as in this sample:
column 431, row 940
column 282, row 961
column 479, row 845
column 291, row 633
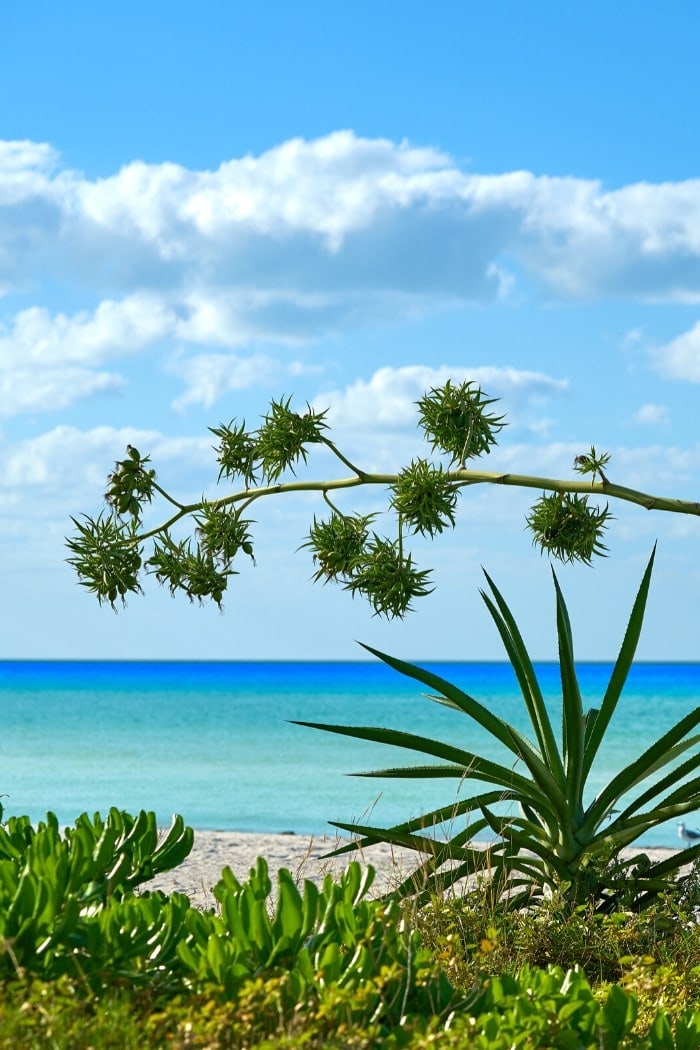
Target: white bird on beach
column 687, row 834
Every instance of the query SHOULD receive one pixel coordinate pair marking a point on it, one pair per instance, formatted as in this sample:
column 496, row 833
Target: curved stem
column 602, row 488
column 343, row 459
column 331, row 504
column 461, row 478
column 166, row 495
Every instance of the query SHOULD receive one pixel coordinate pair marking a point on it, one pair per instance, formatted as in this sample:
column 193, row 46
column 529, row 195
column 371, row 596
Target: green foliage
column 388, row 578
column 130, row 484
column 54, row 884
column 530, row 1008
column 456, row 422
column 303, row 966
column 472, row 931
column 235, row 452
column 552, row 1008
column 223, row 533
column 195, row 570
column 320, row 937
column 108, row 552
column 561, row 842
column 68, row 908
column 107, row 557
column 567, row 527
column 338, row 546
column 425, row 498
column 592, row 463
column 282, row 439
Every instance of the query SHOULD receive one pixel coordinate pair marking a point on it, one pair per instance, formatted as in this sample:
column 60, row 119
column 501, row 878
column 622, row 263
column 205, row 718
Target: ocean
column 214, row 741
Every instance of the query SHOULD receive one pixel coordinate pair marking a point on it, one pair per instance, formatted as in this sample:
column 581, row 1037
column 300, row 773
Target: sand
column 302, row 855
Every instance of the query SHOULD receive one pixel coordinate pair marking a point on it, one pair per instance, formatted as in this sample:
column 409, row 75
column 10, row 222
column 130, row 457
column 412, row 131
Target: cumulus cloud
column 26, row 390
column 112, row 329
column 349, row 213
column 209, row 377
column 69, row 463
column 680, row 359
column 651, row 415
column 305, row 240
column 388, row 398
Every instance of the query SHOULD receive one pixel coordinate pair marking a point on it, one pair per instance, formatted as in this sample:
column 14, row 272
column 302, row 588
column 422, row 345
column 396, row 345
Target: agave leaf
column 472, row 766
column 435, row 818
column 526, row 899
column 392, row 836
column 522, row 796
column 613, row 839
column 573, row 725
column 589, row 719
column 505, row 828
column 620, row 670
column 678, row 860
column 685, row 793
column 497, row 727
column 427, row 877
column 425, row 882
column 664, row 811
column 444, row 701
column 670, row 780
column 670, row 756
column 527, row 679
column 539, row 771
column 428, row 772
column 397, row 738
column 478, row 769
column 528, row 866
column 415, row 772
column 633, row 827
column 370, row 836
column 636, row 771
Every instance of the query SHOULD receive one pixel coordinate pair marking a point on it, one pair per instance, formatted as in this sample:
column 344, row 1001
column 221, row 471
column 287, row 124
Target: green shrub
column 54, row 884
column 86, row 963
column 532, row 1008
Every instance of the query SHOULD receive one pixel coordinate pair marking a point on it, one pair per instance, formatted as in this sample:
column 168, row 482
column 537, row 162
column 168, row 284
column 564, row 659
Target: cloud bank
column 305, row 240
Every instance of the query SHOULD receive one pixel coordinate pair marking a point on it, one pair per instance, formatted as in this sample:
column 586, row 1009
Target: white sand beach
column 301, row 854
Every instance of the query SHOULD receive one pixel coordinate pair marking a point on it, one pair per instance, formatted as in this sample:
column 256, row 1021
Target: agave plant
column 556, row 839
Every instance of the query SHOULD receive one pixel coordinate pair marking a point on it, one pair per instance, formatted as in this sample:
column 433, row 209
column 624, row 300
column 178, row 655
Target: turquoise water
column 214, row 742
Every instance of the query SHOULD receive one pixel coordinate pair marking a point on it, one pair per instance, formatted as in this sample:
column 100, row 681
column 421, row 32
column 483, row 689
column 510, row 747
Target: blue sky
column 205, row 207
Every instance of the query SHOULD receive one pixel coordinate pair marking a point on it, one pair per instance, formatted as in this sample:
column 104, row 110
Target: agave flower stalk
column 197, row 547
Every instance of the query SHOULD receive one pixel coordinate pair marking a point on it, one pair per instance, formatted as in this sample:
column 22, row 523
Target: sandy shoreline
column 301, row 854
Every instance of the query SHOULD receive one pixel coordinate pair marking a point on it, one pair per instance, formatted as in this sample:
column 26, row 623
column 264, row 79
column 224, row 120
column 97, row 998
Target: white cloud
column 209, row 377
column 651, row 415
column 308, row 239
column 26, row 170
column 389, row 398
column 343, row 213
column 113, row 328
column 680, row 359
column 69, row 463
column 28, row 390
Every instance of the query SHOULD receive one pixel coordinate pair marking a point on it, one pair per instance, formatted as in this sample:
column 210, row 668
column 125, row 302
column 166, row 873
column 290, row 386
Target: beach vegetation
column 92, row 958
column 60, row 889
column 194, row 548
column 480, row 954
column 555, row 840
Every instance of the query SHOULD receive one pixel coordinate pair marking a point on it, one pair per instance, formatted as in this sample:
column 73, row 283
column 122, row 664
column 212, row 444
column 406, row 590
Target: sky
column 203, row 207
